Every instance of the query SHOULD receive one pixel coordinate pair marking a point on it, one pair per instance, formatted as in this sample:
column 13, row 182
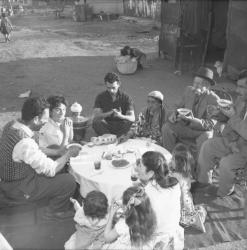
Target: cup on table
column 97, row 164
column 133, row 175
column 148, row 142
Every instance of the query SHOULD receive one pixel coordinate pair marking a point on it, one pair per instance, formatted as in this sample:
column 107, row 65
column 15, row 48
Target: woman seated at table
column 151, row 119
column 136, row 228
column 164, row 193
column 57, row 133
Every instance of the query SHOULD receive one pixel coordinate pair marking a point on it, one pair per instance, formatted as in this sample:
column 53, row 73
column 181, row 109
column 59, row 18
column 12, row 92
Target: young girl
column 90, row 221
column 6, row 27
column 181, row 165
column 136, row 229
column 138, row 225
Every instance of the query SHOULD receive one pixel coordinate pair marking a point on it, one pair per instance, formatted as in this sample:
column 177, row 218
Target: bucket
column 80, row 125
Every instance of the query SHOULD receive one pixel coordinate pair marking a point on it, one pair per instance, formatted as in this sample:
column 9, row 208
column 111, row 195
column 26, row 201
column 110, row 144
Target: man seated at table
column 113, row 109
column 26, row 173
column 195, row 128
column 231, row 147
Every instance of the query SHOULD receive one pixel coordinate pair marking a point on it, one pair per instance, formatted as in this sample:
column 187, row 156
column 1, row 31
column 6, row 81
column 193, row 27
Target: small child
column 90, row 220
column 181, row 165
column 134, row 53
column 136, row 228
column 5, row 27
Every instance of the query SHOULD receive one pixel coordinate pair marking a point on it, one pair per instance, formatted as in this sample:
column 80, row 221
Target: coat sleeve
column 206, row 123
column 239, row 125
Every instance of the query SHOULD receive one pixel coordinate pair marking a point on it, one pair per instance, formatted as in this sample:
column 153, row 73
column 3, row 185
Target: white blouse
column 167, row 207
column 51, row 134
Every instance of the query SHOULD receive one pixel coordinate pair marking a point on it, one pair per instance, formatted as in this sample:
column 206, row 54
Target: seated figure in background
column 134, row 53
column 197, row 126
column 113, row 109
column 57, row 133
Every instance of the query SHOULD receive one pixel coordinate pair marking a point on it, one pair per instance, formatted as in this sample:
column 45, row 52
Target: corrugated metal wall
column 236, row 52
column 142, row 8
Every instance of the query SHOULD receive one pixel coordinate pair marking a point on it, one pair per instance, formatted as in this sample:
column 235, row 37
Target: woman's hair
column 156, row 162
column 183, row 160
column 95, row 205
column 56, row 100
column 139, row 215
column 32, row 107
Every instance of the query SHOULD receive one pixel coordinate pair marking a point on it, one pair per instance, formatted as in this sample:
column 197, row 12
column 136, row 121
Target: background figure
column 136, row 53
column 57, row 133
column 113, row 109
column 6, row 27
column 90, row 220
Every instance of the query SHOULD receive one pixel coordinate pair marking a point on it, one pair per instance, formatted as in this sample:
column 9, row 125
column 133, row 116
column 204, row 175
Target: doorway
column 217, row 40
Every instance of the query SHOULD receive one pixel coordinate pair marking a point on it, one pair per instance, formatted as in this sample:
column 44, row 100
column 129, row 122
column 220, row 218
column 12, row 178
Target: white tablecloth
column 4, row 245
column 109, row 180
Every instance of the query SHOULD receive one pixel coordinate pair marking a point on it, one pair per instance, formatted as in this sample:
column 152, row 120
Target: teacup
column 184, row 111
column 225, row 104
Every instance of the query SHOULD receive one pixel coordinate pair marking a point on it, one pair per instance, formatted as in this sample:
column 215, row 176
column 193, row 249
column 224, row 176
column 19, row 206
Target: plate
column 223, row 103
column 120, row 164
column 90, row 144
column 74, row 145
column 185, row 112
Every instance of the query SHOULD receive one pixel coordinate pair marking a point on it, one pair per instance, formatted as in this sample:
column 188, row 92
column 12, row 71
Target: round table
column 109, row 180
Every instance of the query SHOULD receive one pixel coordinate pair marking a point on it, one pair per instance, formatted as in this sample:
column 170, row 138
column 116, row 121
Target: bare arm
column 110, row 233
column 67, row 129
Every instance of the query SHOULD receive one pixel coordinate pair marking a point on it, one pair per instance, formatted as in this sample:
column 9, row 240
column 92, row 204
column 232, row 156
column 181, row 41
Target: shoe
column 65, row 215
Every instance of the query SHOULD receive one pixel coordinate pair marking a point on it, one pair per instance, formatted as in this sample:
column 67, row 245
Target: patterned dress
column 149, row 124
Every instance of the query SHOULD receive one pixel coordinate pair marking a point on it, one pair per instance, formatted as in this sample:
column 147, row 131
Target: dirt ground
column 48, row 56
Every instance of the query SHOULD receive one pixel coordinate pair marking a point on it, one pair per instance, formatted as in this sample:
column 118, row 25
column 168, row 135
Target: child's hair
column 125, row 51
column 183, row 160
column 139, row 216
column 95, row 205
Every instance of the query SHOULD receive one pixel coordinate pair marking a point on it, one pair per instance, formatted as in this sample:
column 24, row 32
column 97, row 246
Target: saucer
column 184, row 111
column 74, row 145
